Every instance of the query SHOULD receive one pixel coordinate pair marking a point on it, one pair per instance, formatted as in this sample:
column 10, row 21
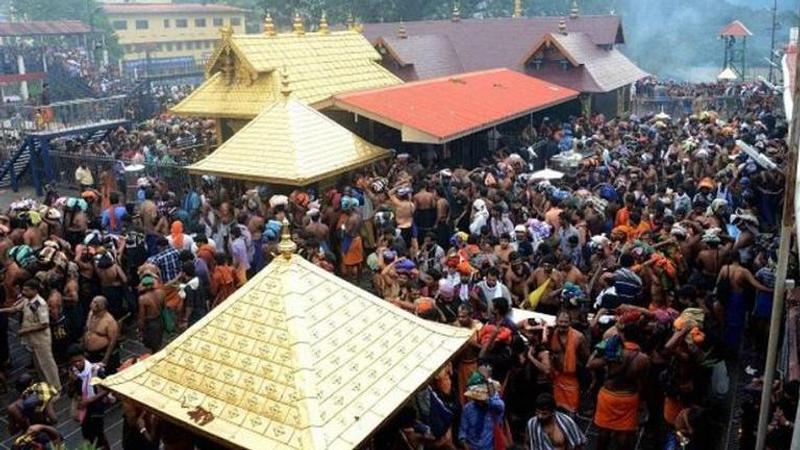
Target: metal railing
column 683, row 106
column 61, row 115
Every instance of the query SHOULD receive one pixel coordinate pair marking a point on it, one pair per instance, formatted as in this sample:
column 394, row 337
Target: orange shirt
column 622, row 218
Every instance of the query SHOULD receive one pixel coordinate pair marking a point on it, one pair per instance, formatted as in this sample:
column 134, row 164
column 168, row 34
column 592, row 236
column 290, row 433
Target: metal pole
column 787, row 225
column 771, row 76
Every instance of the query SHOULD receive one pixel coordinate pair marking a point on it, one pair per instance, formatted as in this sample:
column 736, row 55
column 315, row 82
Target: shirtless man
column 737, row 279
column 113, row 282
column 33, row 236
column 545, row 274
column 503, row 250
column 151, row 301
column 571, row 273
column 75, row 225
column 102, row 333
column 404, row 212
column 315, row 227
column 149, row 213
column 617, row 412
column 425, row 208
column 568, row 348
column 517, row 278
column 710, row 259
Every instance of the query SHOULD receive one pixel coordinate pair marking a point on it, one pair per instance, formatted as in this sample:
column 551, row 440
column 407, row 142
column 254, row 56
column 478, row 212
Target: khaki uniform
column 35, row 312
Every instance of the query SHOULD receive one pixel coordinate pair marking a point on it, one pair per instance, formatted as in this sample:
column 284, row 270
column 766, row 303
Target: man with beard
column 568, row 347
column 553, row 430
column 517, row 279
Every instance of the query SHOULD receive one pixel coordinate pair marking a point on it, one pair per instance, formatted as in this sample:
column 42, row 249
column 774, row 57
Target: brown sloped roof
column 428, row 55
column 43, row 27
column 736, row 29
column 597, row 69
column 498, row 42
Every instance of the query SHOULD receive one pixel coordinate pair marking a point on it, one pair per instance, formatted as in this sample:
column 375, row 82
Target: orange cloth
column 617, row 411
column 465, row 368
column 171, row 298
column 355, row 254
column 672, row 407
column 176, row 231
column 223, row 283
column 566, row 388
column 622, row 218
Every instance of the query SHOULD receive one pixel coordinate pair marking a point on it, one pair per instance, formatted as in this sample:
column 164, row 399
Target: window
column 181, row 23
column 217, row 21
column 236, row 21
column 160, row 47
column 169, row 46
column 208, row 44
column 120, row 24
column 189, row 45
column 166, row 23
column 179, row 46
column 129, row 48
column 142, row 24
column 200, row 23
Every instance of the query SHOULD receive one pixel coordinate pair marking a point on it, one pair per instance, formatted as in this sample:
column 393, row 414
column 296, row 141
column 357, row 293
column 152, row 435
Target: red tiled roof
column 595, row 69
column 482, row 44
column 444, row 109
column 44, row 27
column 424, row 56
column 736, row 29
column 156, row 8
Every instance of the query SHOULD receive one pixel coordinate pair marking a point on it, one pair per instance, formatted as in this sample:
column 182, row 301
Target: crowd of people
column 649, row 263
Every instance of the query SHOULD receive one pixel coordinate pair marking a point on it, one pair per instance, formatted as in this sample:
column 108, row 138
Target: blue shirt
column 119, row 212
column 168, row 262
column 477, row 423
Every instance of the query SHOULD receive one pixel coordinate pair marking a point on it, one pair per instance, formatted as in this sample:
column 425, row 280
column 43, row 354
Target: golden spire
column 285, row 89
column 517, row 8
column 225, row 33
column 269, row 27
column 350, row 21
column 297, row 25
column 323, row 24
column 562, row 26
column 573, row 13
column 286, row 247
column 456, row 13
column 401, row 30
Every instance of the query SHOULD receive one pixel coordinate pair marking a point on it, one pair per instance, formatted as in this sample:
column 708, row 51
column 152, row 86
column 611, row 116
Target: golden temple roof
column 242, row 71
column 289, row 143
column 295, row 359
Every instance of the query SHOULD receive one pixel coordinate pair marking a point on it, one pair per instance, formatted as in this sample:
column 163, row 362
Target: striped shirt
column 539, row 440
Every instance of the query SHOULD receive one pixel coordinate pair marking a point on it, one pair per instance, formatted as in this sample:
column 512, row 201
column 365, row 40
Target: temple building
column 243, row 79
column 297, row 358
column 575, row 51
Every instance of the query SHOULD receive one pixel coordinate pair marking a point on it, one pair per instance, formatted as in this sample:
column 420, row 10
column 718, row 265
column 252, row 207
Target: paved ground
column 66, row 425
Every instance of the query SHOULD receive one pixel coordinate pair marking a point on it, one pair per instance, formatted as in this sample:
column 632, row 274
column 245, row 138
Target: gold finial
column 226, row 32
column 517, row 8
column 562, row 26
column 573, row 13
column 297, row 25
column 286, row 247
column 456, row 13
column 351, row 22
column 358, row 27
column 401, row 30
column 285, row 89
column 323, row 24
column 269, row 27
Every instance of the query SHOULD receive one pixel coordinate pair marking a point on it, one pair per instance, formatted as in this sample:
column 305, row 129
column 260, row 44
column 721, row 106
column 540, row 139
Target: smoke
column 677, row 37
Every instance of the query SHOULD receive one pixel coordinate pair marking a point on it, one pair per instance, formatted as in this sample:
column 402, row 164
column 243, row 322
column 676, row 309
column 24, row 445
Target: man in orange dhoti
column 567, row 347
column 617, row 412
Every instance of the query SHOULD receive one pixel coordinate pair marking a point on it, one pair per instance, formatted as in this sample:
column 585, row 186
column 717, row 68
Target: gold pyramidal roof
column 289, row 143
column 295, row 359
column 242, row 73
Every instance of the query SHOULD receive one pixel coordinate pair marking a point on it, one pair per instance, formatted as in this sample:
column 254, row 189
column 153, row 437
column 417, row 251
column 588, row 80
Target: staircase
column 13, row 170
column 65, row 86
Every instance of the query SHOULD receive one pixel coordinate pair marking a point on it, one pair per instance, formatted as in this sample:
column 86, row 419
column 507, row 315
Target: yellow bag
column 535, row 296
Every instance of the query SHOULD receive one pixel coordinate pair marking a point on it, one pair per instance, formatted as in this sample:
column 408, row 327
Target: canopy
column 289, row 143
column 546, row 174
column 728, row 74
column 443, row 109
column 297, row 358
